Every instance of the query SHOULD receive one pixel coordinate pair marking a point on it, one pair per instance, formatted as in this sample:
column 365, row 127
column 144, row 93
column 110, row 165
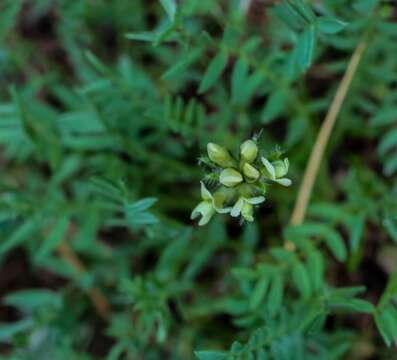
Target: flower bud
column 281, row 167
column 230, row 177
column 249, row 150
column 219, row 155
column 251, row 174
column 247, row 212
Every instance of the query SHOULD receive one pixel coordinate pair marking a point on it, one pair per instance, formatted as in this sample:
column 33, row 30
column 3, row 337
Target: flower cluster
column 239, row 183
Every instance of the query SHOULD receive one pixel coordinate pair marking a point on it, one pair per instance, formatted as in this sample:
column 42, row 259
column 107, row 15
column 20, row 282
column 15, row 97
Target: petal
column 269, row 167
column 256, row 200
column 284, row 181
column 205, row 194
column 230, row 177
column 236, row 210
column 202, row 209
column 207, row 217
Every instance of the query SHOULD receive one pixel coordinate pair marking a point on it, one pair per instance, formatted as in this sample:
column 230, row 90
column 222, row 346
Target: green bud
column 230, row 177
column 219, row 155
column 249, row 150
column 251, row 174
column 281, row 167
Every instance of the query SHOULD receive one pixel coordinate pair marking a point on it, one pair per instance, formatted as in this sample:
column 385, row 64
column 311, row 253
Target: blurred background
column 105, row 109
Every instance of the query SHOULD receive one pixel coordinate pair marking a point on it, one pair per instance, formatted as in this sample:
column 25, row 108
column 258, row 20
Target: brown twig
column 316, row 155
column 98, row 299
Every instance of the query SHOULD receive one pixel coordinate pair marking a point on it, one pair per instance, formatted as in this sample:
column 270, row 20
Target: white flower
column 276, row 171
column 208, row 206
column 244, row 206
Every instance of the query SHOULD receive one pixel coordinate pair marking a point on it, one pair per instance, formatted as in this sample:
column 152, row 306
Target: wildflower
column 276, row 170
column 219, row 156
column 230, row 177
column 249, row 150
column 209, row 205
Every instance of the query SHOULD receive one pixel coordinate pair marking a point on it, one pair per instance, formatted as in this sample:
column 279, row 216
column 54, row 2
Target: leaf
column 388, row 142
column 275, row 296
column 336, row 245
column 140, row 205
column 9, row 330
column 169, row 7
column 357, row 229
column 213, row 71
column 54, row 238
column 20, row 235
column 210, row 355
column 301, row 280
column 259, row 292
column 387, row 326
column 315, row 265
column 186, row 60
column 391, row 228
column 239, row 78
column 305, row 47
column 289, row 16
column 275, row 105
column 30, row 299
column 330, row 25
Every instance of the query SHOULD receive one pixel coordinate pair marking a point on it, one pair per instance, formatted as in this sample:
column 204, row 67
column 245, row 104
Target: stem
column 98, row 299
column 305, row 190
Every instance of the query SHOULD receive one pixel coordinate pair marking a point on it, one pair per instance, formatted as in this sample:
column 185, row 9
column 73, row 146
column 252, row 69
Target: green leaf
column 169, row 7
column 388, row 142
column 20, row 235
column 180, row 66
column 335, row 243
column 214, row 71
column 239, row 78
column 391, row 228
column 30, row 299
column 275, row 105
column 289, row 16
column 301, row 279
column 387, row 326
column 8, row 331
column 56, row 235
column 275, row 296
column 330, row 25
column 357, row 230
column 259, row 292
column 210, row 355
column 305, row 47
column 315, row 265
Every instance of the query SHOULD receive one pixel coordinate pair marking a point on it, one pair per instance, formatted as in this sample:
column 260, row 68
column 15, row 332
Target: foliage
column 105, row 107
